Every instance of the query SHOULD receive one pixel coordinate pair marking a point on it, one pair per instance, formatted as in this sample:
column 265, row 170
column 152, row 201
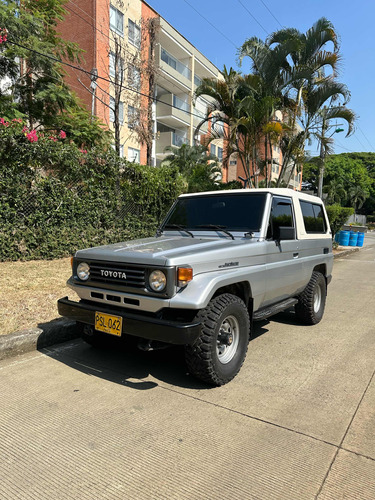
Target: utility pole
column 323, row 152
column 93, row 85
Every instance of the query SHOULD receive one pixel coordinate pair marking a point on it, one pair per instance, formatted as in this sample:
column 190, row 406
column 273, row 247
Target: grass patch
column 29, row 291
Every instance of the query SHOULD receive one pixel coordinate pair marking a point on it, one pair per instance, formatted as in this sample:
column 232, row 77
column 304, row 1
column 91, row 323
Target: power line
column 272, row 14
column 360, row 142
column 250, row 14
column 343, row 147
column 122, row 87
column 209, row 22
column 371, row 146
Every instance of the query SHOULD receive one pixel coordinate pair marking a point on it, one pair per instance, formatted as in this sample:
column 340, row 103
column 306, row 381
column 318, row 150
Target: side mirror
column 285, row 233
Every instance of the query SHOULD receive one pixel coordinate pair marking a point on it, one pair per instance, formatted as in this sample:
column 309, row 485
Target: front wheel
column 311, row 302
column 220, row 350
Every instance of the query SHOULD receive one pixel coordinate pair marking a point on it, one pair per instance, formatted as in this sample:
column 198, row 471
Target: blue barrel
column 337, row 235
column 344, row 238
column 353, row 238
column 361, row 237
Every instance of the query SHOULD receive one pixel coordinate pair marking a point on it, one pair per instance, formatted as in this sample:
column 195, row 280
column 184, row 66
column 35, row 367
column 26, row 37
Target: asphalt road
column 298, row 422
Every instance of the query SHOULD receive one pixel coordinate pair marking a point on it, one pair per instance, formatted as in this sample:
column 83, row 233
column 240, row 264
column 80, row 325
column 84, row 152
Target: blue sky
column 353, row 21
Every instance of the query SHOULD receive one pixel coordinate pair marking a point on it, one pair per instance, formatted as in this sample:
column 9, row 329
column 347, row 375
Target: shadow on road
column 121, row 362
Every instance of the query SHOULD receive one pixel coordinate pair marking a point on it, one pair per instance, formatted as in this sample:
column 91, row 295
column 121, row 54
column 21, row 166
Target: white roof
column 276, row 191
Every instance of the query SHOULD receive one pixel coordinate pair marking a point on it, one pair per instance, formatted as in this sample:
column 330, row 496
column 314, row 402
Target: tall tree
column 33, row 79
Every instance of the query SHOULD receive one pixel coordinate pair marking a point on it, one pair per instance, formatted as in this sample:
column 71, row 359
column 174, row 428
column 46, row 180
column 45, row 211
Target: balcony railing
column 197, row 80
column 175, row 64
column 179, row 139
column 180, row 104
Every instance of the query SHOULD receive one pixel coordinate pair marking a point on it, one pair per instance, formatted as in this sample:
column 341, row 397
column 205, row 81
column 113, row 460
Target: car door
column 284, row 273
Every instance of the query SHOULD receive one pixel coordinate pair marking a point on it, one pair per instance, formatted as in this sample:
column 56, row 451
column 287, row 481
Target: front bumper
column 172, row 332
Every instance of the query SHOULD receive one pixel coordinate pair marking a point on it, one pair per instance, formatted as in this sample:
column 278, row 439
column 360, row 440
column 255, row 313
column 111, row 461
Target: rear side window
column 313, row 217
column 281, row 216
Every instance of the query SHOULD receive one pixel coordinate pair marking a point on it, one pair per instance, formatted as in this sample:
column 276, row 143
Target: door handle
column 295, row 255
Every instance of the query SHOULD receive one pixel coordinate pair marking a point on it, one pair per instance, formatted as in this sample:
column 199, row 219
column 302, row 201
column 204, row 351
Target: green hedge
column 55, row 199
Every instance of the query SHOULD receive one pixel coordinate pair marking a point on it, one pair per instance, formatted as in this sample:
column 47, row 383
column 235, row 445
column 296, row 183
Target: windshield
column 235, row 212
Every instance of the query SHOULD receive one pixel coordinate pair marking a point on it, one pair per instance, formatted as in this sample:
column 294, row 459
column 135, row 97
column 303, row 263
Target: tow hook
column 151, row 345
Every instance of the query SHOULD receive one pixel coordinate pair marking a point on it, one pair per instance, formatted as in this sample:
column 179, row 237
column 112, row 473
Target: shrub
column 338, row 215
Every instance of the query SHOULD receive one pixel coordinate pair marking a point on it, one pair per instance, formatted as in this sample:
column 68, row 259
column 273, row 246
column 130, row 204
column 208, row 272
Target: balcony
column 165, row 139
column 174, row 70
column 173, row 111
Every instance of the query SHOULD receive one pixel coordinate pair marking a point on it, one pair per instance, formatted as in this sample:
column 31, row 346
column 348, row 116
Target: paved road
column 298, row 422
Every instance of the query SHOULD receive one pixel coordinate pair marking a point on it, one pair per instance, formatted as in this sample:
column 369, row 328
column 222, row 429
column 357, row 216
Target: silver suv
column 219, row 261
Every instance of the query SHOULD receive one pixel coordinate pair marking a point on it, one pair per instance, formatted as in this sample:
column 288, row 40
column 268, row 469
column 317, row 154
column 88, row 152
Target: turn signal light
column 71, row 262
column 184, row 275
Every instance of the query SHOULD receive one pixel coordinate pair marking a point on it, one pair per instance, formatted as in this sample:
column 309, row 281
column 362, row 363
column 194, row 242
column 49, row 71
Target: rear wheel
column 311, row 303
column 219, row 352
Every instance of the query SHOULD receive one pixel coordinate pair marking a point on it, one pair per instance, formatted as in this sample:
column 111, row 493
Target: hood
column 159, row 251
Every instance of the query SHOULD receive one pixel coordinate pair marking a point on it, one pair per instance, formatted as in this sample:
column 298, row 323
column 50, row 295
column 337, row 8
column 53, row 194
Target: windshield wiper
column 218, row 228
column 181, row 228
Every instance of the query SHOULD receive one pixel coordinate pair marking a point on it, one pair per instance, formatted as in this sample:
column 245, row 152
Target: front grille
column 135, row 276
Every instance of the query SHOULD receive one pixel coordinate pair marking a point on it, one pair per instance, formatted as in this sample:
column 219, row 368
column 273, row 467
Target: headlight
column 157, row 281
column 83, row 271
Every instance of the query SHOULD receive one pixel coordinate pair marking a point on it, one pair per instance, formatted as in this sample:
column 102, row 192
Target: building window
column 213, row 149
column 134, row 155
column 113, row 146
column 134, row 33
column 217, row 126
column 116, row 21
column 220, row 153
column 112, row 111
column 133, row 117
column 134, row 77
column 112, row 65
column 112, row 71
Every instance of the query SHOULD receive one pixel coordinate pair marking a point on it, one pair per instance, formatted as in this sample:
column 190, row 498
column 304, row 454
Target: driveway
column 298, row 422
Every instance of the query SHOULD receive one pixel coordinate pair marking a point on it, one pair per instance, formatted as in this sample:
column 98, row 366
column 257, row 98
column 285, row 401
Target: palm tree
column 336, row 192
column 357, row 196
column 292, row 65
column 200, row 169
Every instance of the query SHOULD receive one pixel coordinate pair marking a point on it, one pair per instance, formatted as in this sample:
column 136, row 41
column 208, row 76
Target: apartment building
column 140, row 61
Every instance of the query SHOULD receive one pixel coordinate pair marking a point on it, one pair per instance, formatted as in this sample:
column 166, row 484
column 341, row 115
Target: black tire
column 219, row 352
column 311, row 302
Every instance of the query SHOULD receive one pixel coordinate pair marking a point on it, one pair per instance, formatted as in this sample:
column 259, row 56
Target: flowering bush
column 56, row 198
column 3, row 35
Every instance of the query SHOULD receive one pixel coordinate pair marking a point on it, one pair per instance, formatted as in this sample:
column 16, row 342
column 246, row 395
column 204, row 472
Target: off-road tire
column 210, row 360
column 311, row 302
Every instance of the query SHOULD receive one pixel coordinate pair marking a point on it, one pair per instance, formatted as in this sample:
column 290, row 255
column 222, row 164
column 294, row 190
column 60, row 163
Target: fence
column 360, row 219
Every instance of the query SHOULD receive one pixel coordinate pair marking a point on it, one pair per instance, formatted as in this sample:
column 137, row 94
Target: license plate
column 108, row 324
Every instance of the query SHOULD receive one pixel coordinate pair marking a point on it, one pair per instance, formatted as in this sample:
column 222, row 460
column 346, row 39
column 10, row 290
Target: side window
column 281, row 215
column 313, row 217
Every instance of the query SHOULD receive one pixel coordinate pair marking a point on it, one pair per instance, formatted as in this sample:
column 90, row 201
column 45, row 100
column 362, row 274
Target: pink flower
column 54, row 139
column 62, row 134
column 25, row 129
column 31, row 136
column 2, row 121
column 83, row 151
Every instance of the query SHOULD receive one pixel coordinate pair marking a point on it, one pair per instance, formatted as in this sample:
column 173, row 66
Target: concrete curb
column 47, row 334
column 344, row 253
